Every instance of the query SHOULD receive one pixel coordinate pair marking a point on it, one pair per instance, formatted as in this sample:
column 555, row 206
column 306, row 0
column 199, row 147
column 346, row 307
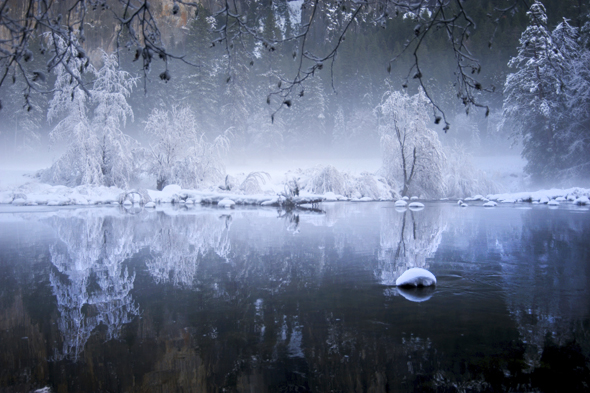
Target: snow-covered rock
column 19, row 201
column 583, row 200
column 560, row 199
column 401, row 203
column 416, row 277
column 416, row 205
column 553, row 202
column 226, row 202
column 150, row 205
column 414, row 198
column 463, row 204
column 490, row 204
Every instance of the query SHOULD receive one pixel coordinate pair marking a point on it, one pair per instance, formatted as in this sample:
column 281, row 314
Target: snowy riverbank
column 22, row 188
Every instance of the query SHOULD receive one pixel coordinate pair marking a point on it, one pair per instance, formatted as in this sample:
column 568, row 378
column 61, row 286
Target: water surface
column 207, row 299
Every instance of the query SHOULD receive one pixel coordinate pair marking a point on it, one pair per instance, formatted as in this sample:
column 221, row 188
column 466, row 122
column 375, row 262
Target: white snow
column 226, row 202
column 416, row 277
column 490, row 204
column 401, row 203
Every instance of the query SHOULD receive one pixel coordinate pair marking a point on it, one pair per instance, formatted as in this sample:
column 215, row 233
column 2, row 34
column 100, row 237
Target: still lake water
column 260, row 300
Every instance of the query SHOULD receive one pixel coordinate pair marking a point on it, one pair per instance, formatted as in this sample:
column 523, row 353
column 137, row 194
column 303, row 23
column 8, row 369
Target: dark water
column 212, row 300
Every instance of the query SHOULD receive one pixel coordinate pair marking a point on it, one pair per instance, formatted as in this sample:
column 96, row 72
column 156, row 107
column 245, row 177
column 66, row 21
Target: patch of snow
column 553, row 202
column 490, row 204
column 401, row 203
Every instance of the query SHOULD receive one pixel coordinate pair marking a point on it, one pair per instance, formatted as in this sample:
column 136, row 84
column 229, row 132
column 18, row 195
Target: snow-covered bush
column 328, row 179
column 252, row 182
column 179, row 153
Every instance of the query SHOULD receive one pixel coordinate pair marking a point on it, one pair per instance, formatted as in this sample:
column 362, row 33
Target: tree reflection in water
column 89, row 282
column 260, row 300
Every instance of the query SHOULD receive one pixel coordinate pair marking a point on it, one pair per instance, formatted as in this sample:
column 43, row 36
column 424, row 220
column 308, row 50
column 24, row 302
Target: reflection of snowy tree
column 182, row 241
column 91, row 285
column 407, row 239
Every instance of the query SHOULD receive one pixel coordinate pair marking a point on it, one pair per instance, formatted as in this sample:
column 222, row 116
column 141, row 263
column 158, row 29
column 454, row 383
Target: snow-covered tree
column 97, row 150
column 574, row 115
column 179, row 152
column 533, row 95
column 110, row 92
column 412, row 153
column 80, row 164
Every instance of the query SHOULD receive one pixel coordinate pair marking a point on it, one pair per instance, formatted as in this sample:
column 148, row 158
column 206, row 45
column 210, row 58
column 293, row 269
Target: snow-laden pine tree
column 412, row 153
column 574, row 118
column 110, row 91
column 534, row 95
column 179, row 153
column 80, row 164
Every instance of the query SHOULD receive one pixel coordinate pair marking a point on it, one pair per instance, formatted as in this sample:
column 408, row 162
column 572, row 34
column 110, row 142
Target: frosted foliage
column 111, row 89
column 323, row 179
column 252, row 184
column 80, row 163
column 461, row 176
column 97, row 152
column 407, row 240
column 329, row 179
column 180, row 154
column 412, row 153
column 89, row 255
column 534, row 95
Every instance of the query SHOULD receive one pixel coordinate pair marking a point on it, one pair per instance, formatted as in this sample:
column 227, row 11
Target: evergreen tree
column 533, row 96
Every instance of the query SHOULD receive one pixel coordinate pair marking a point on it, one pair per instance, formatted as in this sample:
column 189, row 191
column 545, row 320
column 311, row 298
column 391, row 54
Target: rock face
column 416, row 277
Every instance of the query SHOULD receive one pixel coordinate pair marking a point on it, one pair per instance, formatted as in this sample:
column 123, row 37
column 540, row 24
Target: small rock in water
column 401, row 203
column 416, row 277
column 490, row 204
